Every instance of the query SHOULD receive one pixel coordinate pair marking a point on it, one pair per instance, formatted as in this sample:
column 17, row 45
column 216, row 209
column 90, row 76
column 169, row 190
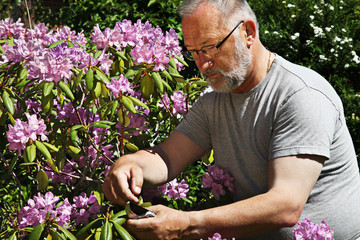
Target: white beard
column 235, row 77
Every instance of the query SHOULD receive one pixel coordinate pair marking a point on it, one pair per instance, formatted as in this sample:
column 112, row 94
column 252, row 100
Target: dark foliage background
column 323, row 35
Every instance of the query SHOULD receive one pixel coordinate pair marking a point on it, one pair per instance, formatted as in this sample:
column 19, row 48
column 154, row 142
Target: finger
column 122, row 189
column 137, row 180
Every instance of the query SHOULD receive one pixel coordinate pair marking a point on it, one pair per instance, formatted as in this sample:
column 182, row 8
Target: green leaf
column 23, row 73
column 114, row 106
column 84, row 229
column 166, row 74
column 102, row 76
column 42, row 179
column 51, row 147
column 47, row 102
column 48, row 87
column 201, row 83
column 8, row 102
column 75, row 138
column 67, row 233
column 172, row 63
column 151, row 2
column 70, row 44
column 66, row 89
column 31, row 152
column 182, row 61
column 74, row 149
column 146, row 86
column 132, row 147
column 101, row 126
column 53, row 45
column 80, row 45
column 130, row 73
column 105, row 122
column 118, row 53
column 97, row 90
column 77, row 127
column 138, row 102
column 118, row 214
column 13, row 236
column 89, row 79
column 158, row 81
column 24, row 82
column 43, row 149
column 78, row 79
column 167, row 85
column 125, row 235
column 106, row 231
column 37, row 231
column 128, row 103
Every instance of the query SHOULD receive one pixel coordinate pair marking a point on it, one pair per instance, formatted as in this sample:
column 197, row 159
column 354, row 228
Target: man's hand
column 123, row 182
column 167, row 224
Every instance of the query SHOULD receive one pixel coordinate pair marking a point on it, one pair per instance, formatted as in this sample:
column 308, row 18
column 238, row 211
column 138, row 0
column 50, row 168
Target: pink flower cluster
column 20, row 134
column 47, row 64
column 42, row 205
column 120, row 85
column 175, row 189
column 179, row 102
column 217, row 236
column 149, row 44
column 218, row 180
column 9, row 28
column 306, row 230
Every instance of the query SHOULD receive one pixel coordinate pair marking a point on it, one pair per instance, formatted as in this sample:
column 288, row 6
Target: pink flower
column 179, row 100
column 20, row 134
column 119, row 85
column 41, row 206
column 217, row 236
column 85, row 208
column 174, row 189
column 9, row 28
column 218, row 180
column 306, row 230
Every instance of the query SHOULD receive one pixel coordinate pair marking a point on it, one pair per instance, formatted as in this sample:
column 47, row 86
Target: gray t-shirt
column 292, row 111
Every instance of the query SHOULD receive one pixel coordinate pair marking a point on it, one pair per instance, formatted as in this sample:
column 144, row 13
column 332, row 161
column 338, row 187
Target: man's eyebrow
column 203, row 44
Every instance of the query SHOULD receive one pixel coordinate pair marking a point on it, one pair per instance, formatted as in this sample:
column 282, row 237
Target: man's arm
column 291, row 180
column 150, row 167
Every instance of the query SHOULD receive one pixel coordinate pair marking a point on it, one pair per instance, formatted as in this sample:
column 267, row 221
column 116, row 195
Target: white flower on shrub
column 295, row 36
column 356, row 58
column 319, row 32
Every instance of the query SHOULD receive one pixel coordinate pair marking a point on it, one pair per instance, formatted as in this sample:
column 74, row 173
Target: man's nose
column 203, row 62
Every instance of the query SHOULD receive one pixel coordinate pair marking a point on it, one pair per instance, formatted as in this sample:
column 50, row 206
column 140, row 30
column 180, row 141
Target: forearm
column 245, row 218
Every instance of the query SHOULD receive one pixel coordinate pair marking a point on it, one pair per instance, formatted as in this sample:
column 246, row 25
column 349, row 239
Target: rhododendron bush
column 70, row 105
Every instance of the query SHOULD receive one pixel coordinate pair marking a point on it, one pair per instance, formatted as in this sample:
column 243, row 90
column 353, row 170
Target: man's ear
column 250, row 33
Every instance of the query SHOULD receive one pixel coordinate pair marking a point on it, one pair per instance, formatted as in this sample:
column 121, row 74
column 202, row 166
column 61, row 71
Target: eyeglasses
column 209, row 51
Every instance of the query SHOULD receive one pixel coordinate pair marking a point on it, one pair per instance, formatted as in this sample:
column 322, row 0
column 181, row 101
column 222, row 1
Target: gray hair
column 232, row 10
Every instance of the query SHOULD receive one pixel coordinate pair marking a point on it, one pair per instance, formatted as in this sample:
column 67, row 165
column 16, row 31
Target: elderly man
column 280, row 128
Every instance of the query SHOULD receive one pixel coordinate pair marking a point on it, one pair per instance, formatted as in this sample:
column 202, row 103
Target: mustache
column 211, row 71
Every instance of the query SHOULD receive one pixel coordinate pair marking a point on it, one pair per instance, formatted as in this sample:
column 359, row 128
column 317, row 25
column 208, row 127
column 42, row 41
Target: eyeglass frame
column 189, row 54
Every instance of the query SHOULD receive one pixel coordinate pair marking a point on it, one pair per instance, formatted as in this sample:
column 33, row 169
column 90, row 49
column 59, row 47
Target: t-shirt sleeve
column 304, row 124
column 195, row 125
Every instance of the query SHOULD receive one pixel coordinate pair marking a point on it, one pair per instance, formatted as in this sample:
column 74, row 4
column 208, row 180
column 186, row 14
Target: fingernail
column 137, row 190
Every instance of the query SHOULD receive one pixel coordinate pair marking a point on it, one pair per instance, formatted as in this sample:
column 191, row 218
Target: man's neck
column 261, row 60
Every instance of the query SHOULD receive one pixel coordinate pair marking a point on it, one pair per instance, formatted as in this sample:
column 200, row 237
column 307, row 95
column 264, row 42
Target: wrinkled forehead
column 204, row 24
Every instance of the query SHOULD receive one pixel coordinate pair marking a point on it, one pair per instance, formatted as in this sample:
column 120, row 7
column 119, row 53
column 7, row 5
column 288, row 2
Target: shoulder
column 293, row 79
